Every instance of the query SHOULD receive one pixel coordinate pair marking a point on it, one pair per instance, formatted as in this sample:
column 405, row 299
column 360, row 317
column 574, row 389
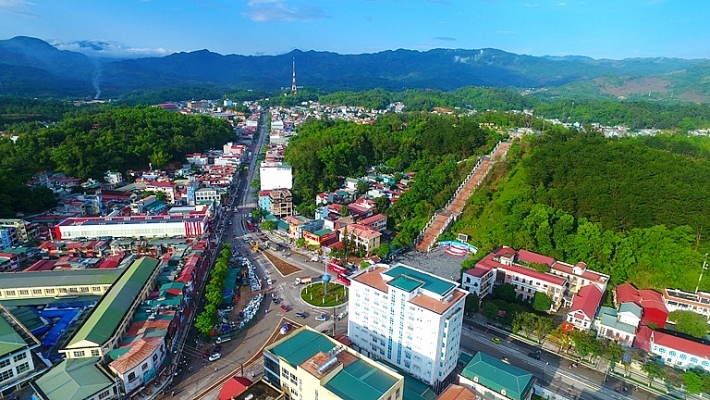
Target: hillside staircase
column 442, row 219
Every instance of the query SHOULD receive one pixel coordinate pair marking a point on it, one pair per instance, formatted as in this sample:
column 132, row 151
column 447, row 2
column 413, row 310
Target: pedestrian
column 172, row 394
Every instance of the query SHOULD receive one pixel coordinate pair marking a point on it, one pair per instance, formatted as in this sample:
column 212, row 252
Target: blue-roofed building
column 309, row 365
column 408, row 318
column 495, row 379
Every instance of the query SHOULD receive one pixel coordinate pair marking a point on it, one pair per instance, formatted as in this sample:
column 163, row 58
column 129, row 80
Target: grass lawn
column 313, row 295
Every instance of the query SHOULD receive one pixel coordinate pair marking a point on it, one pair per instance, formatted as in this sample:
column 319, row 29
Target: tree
column 344, row 212
column 614, row 353
column 693, row 382
column 383, row 251
column 362, row 187
column 206, row 320
column 586, row 344
column 490, row 310
column 653, row 370
column 382, row 203
column 689, row 322
column 473, row 303
column 542, row 326
column 300, row 242
column 541, row 302
column 268, row 225
column 505, row 292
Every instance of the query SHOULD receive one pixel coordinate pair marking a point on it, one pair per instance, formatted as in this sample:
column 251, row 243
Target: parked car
column 215, row 357
column 535, row 355
column 285, row 307
column 495, row 339
column 217, row 348
column 276, row 300
column 321, row 317
column 301, row 315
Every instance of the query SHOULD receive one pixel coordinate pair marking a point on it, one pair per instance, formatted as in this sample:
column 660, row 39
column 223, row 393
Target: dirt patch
column 284, row 267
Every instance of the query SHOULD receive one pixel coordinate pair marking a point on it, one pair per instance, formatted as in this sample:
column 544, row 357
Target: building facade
column 308, row 365
column 408, row 318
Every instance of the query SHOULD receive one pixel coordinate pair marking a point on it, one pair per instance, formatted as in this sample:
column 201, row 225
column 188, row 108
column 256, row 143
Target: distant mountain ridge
column 32, row 67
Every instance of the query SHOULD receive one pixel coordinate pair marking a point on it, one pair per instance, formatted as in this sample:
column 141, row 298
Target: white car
column 321, row 317
column 215, row 357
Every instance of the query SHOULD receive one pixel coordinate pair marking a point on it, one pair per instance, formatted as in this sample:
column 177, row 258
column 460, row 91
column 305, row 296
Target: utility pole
column 705, row 266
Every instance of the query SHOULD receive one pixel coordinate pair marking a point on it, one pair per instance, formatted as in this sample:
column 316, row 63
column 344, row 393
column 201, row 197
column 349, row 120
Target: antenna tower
column 293, row 79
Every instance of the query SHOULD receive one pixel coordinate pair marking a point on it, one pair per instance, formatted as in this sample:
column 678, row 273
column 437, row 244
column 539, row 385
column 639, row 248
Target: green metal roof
column 28, row 318
column 302, row 346
column 9, row 339
column 109, row 312
column 415, row 389
column 73, row 379
column 58, row 277
column 632, row 308
column 429, row 282
column 497, row 375
column 321, row 232
column 360, row 380
column 609, row 317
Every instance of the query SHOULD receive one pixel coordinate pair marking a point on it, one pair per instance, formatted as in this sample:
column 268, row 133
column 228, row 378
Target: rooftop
column 108, row 313
column 429, row 282
column 73, row 379
column 59, row 277
column 497, row 375
column 10, row 340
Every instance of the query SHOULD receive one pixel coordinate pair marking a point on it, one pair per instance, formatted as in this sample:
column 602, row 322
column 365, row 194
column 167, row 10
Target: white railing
column 455, row 213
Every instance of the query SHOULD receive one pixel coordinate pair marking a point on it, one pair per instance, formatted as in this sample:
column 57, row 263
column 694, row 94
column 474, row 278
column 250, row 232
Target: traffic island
column 325, row 294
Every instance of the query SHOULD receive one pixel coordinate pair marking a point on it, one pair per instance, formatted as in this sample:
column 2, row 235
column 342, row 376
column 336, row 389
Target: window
column 104, row 394
column 95, row 353
column 144, row 366
column 37, row 291
column 20, row 356
column 24, row 292
column 78, row 353
column 131, row 377
column 23, row 367
column 4, row 363
column 49, row 291
column 4, row 375
column 10, row 293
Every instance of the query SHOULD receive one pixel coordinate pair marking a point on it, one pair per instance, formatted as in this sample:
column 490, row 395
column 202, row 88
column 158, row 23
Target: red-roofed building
column 364, row 237
column 654, row 309
column 584, row 307
column 233, row 387
column 377, row 221
column 501, row 266
column 675, row 351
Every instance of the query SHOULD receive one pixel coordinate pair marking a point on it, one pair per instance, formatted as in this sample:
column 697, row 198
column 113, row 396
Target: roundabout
column 325, row 294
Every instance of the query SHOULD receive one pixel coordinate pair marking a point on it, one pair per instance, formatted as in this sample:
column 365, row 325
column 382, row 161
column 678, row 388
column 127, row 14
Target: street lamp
column 544, row 369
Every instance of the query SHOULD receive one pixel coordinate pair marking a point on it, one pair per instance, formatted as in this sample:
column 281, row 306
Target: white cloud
column 19, row 7
column 101, row 48
column 279, row 10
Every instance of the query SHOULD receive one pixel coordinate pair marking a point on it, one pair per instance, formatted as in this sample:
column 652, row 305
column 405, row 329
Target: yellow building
column 308, row 365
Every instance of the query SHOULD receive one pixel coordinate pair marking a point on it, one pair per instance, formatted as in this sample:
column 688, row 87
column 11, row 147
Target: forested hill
column 633, row 208
column 87, row 143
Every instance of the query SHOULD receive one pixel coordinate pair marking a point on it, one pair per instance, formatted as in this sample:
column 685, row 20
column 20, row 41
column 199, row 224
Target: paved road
column 551, row 370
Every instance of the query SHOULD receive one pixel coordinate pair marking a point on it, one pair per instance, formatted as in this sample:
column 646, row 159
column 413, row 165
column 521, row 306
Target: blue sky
column 613, row 29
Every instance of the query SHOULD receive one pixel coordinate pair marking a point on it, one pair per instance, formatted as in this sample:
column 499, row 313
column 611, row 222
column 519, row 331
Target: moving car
column 495, row 339
column 321, row 317
column 301, row 315
column 535, row 355
column 215, row 357
column 285, row 307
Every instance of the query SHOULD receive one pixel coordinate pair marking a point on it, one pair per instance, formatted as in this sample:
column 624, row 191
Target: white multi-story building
column 275, row 175
column 409, row 318
column 678, row 300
